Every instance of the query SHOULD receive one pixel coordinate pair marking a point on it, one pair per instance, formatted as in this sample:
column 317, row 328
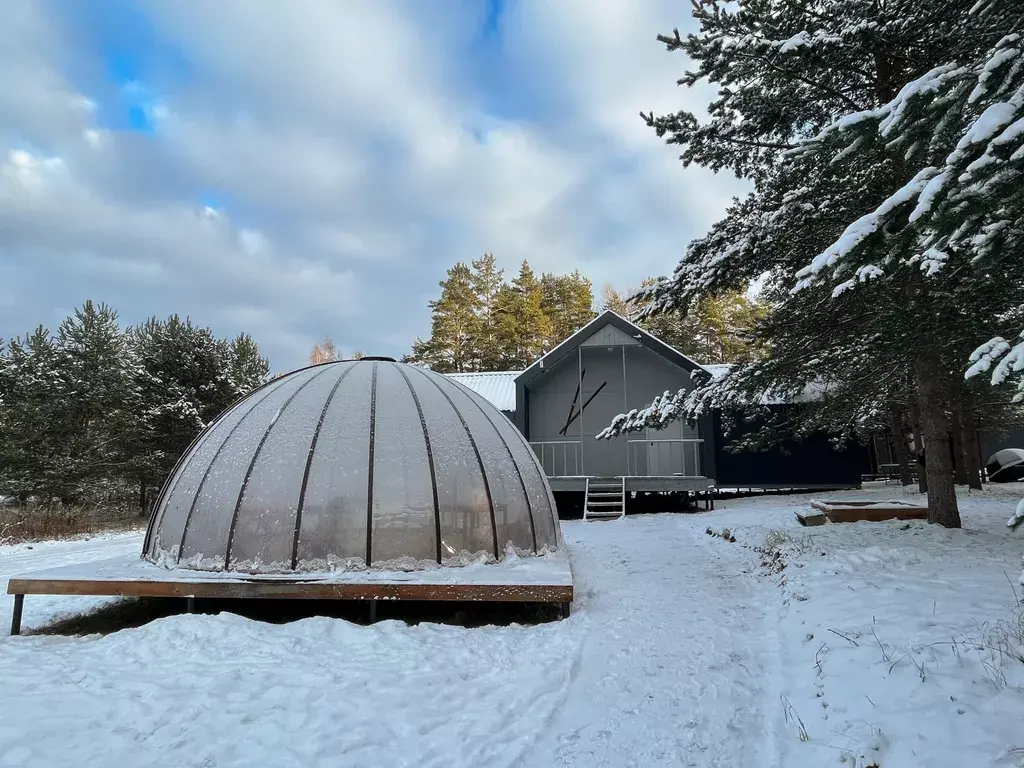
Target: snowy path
column 677, row 668
column 654, row 668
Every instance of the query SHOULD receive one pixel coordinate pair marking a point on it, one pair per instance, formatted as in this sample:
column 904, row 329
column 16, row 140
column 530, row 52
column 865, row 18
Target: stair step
column 604, row 515
column 602, row 494
column 603, row 504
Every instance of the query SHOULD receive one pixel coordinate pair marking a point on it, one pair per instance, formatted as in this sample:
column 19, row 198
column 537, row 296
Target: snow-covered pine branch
column 963, row 211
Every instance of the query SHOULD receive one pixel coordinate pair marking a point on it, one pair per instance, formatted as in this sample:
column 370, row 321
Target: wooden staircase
column 604, row 498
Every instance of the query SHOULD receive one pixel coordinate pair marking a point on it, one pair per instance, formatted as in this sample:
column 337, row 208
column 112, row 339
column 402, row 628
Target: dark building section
column 809, row 463
column 999, row 437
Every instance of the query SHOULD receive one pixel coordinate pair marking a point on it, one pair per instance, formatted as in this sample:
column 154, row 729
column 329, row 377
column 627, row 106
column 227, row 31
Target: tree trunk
column 922, row 476
column 942, row 506
column 899, row 439
column 972, row 448
column 956, row 431
column 142, row 495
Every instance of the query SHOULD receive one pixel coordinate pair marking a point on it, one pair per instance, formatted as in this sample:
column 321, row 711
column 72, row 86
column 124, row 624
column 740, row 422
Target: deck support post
column 373, row 611
column 190, row 604
column 19, row 602
column 566, row 610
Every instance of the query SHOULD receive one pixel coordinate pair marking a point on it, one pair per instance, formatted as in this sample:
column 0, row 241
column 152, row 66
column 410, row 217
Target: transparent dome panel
column 332, row 530
column 403, row 502
column 206, row 538
column 545, row 515
column 511, row 509
column 169, row 523
column 465, row 517
column 265, row 524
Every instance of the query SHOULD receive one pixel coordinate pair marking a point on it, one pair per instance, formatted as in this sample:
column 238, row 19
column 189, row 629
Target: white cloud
column 358, row 156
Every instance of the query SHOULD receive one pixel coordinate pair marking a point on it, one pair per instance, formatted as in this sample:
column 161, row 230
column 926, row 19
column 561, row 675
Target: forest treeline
column 483, row 322
column 97, row 413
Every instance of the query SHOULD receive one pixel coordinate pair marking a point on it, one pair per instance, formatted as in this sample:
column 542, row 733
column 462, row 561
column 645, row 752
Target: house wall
column 647, row 374
column 808, row 463
column 1005, row 436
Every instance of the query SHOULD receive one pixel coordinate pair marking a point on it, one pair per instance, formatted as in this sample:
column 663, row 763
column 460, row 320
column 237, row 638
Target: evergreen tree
column 482, row 323
column 96, row 414
column 717, row 329
column 452, row 343
column 568, row 303
column 786, row 72
column 99, row 369
column 33, row 395
column 186, row 378
column 523, row 327
column 487, row 280
column 249, row 369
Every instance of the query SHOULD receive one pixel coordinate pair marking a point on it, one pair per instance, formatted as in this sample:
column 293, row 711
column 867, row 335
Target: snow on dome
column 349, row 465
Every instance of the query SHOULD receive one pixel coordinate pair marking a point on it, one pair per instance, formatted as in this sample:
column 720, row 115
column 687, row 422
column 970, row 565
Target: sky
column 311, row 168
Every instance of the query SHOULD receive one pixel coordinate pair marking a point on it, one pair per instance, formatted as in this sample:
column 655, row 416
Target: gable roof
column 496, row 387
column 608, row 317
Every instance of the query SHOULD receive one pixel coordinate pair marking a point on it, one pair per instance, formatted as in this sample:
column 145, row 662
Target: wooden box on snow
column 852, row 511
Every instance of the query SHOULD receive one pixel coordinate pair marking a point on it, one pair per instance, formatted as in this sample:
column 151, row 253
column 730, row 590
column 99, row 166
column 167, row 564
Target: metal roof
column 496, row 387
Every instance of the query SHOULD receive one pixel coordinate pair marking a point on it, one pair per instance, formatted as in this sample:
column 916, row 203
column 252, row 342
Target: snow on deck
column 550, row 569
column 873, row 645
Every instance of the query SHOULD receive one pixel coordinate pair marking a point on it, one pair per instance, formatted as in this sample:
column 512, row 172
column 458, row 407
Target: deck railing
column 560, row 458
column 680, row 457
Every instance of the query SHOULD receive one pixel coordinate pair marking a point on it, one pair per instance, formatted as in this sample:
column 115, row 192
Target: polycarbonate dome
column 354, row 464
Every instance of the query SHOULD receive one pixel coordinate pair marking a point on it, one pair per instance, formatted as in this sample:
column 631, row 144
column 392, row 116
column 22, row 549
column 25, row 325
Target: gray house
column 569, row 395
column 611, row 366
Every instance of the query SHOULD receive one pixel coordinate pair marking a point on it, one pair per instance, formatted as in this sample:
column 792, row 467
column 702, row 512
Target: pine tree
column 186, row 377
column 33, row 395
column 523, row 326
column 567, row 302
column 787, row 72
column 452, row 342
column 487, row 280
column 97, row 414
column 717, row 329
column 249, row 369
column 98, row 367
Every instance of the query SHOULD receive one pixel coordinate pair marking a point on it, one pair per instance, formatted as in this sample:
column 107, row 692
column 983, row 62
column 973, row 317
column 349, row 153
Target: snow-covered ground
column 877, row 643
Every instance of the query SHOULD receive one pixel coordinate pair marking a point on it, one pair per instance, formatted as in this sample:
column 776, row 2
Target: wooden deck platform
column 546, row 579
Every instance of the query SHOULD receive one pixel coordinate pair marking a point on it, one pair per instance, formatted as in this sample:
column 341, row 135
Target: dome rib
column 479, row 460
column 508, row 450
column 252, row 462
column 309, row 462
column 430, row 461
column 369, row 473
